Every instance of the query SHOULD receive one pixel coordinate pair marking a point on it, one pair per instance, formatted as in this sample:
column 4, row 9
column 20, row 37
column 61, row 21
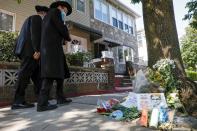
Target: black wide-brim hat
column 41, row 8
column 62, row 3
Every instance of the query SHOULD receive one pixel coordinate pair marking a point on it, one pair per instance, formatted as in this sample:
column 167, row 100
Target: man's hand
column 36, row 55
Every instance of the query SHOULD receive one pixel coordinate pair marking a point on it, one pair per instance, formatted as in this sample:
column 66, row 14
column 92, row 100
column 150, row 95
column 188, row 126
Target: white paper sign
column 131, row 101
column 145, row 100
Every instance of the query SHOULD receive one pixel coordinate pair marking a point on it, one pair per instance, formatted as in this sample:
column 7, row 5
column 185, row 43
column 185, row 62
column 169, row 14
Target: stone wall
column 112, row 33
column 83, row 81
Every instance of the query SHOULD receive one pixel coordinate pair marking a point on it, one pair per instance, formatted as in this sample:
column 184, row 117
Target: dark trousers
column 47, row 84
column 29, row 69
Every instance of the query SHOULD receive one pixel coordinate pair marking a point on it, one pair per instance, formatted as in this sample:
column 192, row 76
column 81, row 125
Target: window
column 81, row 5
column 101, row 11
column 114, row 17
column 120, row 54
column 69, row 1
column 104, row 13
column 97, row 8
column 125, row 21
column 7, row 21
column 126, row 28
column 130, row 23
column 120, row 23
column 115, row 22
column 130, row 30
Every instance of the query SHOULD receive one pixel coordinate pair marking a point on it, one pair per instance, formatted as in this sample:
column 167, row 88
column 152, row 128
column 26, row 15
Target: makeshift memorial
column 113, row 102
column 144, row 118
column 154, row 118
column 131, row 100
column 150, row 100
column 163, row 115
column 129, row 114
column 117, row 115
column 103, row 106
column 140, row 81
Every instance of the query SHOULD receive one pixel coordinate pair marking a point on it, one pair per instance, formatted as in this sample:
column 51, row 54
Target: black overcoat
column 54, row 32
column 29, row 39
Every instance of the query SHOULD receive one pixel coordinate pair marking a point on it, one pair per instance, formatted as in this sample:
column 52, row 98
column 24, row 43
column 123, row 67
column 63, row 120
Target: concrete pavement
column 80, row 115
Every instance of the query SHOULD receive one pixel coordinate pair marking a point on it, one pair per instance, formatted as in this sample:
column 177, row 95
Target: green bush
column 192, row 75
column 78, row 58
column 7, row 43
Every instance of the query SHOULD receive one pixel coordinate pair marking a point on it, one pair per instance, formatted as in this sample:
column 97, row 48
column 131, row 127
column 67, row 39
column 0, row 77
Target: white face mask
column 63, row 15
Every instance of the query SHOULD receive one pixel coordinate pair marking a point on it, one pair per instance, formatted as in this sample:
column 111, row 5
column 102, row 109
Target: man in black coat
column 54, row 32
column 28, row 50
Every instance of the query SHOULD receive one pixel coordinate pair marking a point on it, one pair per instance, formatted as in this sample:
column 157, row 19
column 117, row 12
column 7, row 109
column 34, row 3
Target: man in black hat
column 28, row 50
column 53, row 66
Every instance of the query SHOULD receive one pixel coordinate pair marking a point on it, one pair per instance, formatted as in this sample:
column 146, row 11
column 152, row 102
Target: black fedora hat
column 39, row 8
column 62, row 3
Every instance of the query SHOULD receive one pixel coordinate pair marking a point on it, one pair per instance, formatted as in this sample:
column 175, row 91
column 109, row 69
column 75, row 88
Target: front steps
column 123, row 83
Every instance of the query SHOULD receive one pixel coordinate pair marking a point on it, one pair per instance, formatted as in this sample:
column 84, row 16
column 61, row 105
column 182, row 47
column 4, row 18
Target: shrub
column 192, row 75
column 78, row 58
column 7, row 43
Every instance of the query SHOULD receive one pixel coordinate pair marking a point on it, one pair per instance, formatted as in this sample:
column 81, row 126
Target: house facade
column 94, row 25
column 117, row 23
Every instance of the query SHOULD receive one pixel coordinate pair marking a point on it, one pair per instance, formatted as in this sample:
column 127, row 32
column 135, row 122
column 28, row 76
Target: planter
column 76, row 62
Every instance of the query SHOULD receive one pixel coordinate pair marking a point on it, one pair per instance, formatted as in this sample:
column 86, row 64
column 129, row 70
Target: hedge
column 7, row 42
column 192, row 75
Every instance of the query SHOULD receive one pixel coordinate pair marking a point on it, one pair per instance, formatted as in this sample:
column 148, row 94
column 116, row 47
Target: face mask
column 42, row 17
column 63, row 15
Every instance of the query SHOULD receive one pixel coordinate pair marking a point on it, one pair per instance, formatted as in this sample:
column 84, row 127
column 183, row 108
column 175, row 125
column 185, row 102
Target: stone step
column 127, row 83
column 124, row 88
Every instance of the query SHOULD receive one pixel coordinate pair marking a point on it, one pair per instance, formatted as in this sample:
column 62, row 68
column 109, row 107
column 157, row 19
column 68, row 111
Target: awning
column 109, row 42
column 94, row 34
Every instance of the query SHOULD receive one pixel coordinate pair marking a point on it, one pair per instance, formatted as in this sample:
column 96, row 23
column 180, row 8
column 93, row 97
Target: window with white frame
column 128, row 53
column 97, row 9
column 81, row 5
column 120, row 21
column 104, row 12
column 131, row 54
column 7, row 21
column 131, row 23
column 69, row 1
column 125, row 21
column 120, row 54
column 101, row 11
column 114, row 17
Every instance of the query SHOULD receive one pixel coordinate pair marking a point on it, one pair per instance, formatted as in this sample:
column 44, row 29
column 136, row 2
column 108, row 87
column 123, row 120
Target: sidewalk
column 80, row 115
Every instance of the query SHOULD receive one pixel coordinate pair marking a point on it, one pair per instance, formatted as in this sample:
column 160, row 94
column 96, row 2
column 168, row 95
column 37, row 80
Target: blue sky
column 179, row 9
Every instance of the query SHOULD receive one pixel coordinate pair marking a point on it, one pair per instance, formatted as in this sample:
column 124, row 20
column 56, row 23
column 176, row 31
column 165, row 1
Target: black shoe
column 46, row 108
column 22, row 106
column 63, row 101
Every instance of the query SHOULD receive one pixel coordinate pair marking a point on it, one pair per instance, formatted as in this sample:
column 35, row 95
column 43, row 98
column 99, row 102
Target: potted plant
column 78, row 58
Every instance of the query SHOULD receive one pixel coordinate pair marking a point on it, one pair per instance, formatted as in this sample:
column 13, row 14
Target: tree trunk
column 162, row 42
column 161, row 33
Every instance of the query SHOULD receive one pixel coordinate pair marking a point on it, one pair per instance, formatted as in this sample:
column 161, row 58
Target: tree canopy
column 189, row 48
column 192, row 13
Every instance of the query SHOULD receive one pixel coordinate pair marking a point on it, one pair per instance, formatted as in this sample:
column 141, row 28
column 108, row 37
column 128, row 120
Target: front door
column 119, row 60
column 121, row 55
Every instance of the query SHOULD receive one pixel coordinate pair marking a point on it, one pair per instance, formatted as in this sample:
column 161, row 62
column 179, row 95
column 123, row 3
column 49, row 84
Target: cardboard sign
column 131, row 100
column 145, row 101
